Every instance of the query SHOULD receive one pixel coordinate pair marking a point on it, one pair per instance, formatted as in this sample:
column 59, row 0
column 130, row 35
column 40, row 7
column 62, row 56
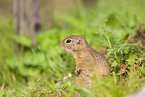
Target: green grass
column 44, row 70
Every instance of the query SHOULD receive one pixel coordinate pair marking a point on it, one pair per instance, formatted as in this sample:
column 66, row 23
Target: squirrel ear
column 79, row 42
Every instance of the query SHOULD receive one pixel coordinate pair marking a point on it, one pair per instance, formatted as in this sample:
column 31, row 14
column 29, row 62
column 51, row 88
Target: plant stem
column 109, row 42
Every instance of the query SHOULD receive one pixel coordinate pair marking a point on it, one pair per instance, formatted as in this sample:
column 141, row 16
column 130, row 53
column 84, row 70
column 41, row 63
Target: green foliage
column 44, row 69
column 110, row 86
column 126, row 56
column 6, row 50
column 45, row 60
column 23, row 40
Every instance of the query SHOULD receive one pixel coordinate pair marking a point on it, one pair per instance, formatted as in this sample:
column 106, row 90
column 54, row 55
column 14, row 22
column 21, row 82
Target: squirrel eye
column 68, row 41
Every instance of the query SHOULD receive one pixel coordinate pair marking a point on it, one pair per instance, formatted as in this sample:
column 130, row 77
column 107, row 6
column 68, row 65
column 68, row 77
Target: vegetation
column 46, row 70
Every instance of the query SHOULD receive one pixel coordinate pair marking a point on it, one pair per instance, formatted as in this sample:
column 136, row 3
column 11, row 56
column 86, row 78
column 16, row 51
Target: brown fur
column 86, row 59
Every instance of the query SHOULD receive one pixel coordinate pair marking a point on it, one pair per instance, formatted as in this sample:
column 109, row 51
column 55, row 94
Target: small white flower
column 69, row 75
column 66, row 77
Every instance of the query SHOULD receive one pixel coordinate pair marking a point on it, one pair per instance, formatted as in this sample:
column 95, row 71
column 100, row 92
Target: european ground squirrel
column 86, row 59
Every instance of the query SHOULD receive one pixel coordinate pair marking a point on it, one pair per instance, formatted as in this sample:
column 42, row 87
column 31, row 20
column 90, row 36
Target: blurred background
column 33, row 64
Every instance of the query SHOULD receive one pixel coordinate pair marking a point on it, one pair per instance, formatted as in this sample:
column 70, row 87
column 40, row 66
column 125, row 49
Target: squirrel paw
column 77, row 70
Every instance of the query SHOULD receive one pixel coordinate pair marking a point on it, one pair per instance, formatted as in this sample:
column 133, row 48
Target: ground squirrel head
column 73, row 43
